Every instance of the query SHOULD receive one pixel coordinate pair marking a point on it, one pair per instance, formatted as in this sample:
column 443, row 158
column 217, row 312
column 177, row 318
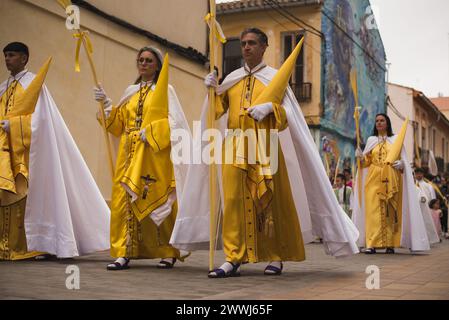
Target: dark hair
column 18, row 47
column 263, row 38
column 419, row 170
column 159, row 62
column 432, row 203
column 389, row 127
column 341, row 176
column 347, row 170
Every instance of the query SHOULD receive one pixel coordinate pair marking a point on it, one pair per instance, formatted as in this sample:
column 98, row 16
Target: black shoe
column 115, row 266
column 370, row 251
column 166, row 265
column 44, row 257
column 389, row 251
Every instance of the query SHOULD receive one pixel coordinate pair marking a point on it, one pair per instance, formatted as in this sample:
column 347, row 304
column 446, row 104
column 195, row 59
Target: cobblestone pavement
column 402, row 276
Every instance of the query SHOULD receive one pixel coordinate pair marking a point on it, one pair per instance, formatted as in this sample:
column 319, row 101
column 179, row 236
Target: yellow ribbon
column 83, row 35
column 219, row 34
column 64, row 3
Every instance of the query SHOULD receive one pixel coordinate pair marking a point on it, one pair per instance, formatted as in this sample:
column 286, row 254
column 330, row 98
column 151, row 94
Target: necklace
column 143, row 93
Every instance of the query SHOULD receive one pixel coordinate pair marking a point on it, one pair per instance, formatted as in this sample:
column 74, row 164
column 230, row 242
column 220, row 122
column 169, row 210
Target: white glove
column 211, row 80
column 143, row 136
column 260, row 111
column 359, row 153
column 100, row 96
column 5, row 125
column 398, row 165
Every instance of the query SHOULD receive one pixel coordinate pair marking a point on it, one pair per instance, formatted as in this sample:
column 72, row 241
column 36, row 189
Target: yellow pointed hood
column 26, row 103
column 395, row 152
column 159, row 101
column 275, row 91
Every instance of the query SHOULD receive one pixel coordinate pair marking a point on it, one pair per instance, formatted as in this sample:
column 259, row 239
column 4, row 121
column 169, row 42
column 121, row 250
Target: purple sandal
column 273, row 271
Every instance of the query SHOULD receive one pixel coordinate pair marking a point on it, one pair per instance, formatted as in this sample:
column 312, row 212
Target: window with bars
column 434, row 140
column 423, row 138
column 447, row 151
column 232, row 56
column 443, row 149
column 302, row 89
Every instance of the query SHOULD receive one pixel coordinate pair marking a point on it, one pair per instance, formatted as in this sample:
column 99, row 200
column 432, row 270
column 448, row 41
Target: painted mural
column 351, row 41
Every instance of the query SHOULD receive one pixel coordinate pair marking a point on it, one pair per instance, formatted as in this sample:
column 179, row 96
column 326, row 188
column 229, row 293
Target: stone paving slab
column 403, row 276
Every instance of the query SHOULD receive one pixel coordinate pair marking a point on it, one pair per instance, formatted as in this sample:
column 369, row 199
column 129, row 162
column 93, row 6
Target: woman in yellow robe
column 386, row 209
column 383, row 216
column 141, row 226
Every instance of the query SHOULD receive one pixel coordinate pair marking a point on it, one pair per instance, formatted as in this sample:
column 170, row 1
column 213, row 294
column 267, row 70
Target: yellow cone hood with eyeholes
column 275, row 91
column 26, row 103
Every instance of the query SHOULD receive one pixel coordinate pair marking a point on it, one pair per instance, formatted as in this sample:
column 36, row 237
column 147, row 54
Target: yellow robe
column 133, row 232
column 383, row 221
column 14, row 160
column 260, row 220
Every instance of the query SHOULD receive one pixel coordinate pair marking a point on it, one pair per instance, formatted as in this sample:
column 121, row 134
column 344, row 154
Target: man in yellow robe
column 270, row 207
column 259, row 219
column 15, row 139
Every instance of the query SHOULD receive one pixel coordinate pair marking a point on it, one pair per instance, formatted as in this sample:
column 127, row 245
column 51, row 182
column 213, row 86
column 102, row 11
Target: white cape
column 433, row 166
column 178, row 127
column 432, row 233
column 318, row 210
column 65, row 214
column 414, row 234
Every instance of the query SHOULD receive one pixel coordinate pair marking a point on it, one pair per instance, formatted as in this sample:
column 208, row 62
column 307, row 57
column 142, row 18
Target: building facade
column 340, row 36
column 428, row 131
column 442, row 104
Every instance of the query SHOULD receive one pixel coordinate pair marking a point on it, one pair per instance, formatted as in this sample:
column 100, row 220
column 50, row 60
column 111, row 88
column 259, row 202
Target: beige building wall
column 402, row 98
column 274, row 24
column 433, row 129
column 41, row 25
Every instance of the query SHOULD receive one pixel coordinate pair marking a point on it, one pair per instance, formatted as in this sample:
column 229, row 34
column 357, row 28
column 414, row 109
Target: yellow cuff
column 158, row 134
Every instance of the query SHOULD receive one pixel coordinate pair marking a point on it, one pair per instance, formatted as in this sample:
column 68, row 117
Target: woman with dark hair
column 386, row 209
column 383, row 126
column 146, row 184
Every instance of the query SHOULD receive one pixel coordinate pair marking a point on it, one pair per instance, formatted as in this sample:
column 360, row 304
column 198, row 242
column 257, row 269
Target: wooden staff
column 336, row 169
column 83, row 39
column 357, row 128
column 211, row 122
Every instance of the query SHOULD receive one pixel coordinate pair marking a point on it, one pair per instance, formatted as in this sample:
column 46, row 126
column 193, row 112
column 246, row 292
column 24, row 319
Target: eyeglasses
column 145, row 60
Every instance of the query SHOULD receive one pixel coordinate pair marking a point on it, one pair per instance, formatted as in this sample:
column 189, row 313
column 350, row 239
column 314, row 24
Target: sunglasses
column 145, row 60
